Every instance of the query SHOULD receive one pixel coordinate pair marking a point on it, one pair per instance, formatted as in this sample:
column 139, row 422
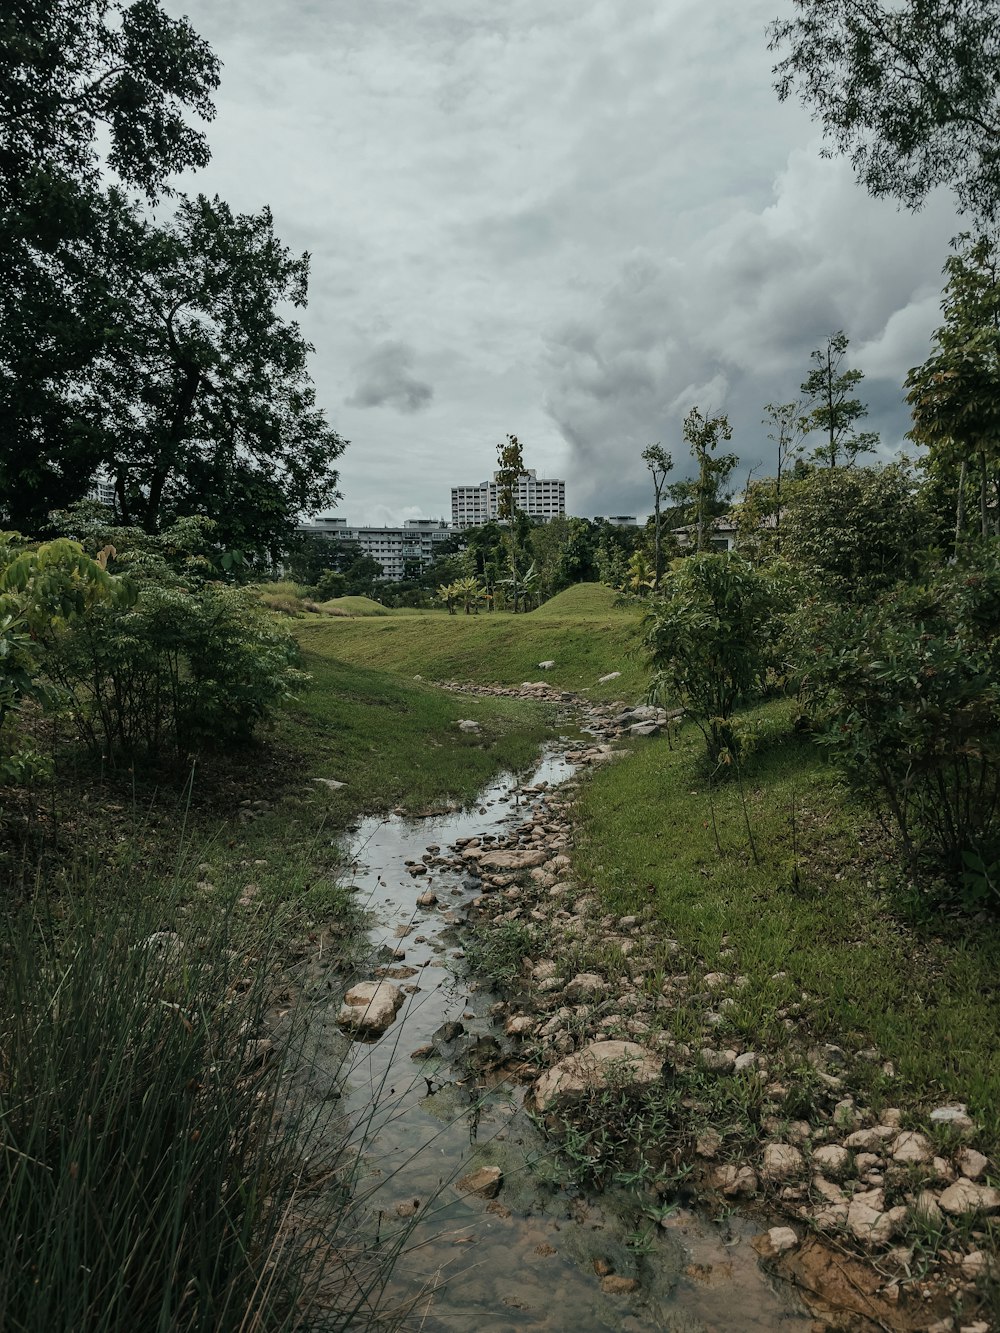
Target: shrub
column 713, row 639
column 183, row 668
column 906, row 695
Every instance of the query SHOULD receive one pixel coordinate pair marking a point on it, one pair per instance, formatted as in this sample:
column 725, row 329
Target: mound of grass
column 584, row 636
column 583, row 599
column 820, row 927
column 354, row 606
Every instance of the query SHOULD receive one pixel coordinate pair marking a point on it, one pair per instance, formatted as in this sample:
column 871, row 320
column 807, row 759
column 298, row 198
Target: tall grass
column 157, row 1172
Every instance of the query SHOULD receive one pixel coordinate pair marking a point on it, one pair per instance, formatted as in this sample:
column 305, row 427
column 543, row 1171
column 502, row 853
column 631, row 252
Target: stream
column 532, row 1257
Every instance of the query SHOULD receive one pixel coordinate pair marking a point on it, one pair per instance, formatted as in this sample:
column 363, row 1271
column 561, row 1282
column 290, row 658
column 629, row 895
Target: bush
column 713, row 640
column 185, row 667
column 906, row 695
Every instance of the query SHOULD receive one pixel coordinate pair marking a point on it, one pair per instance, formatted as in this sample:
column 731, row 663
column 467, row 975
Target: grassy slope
column 356, row 606
column 863, row 971
column 580, row 630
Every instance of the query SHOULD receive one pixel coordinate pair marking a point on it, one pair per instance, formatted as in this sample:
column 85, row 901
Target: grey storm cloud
column 586, row 217
column 384, row 380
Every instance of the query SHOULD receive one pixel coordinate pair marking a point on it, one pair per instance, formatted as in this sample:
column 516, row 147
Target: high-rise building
column 538, row 497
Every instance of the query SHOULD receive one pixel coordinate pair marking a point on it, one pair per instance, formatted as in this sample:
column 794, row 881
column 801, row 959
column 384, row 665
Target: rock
column 331, row 783
column 736, row 1181
column 466, row 724
column 870, row 1221
column 748, row 1060
column 644, row 729
column 911, row 1148
column 827, row 1190
column 428, row 899
column 832, row 1160
column 718, row 1062
column 584, row 986
column 408, row 1209
column 521, row 859
column 971, row 1163
column 782, row 1161
column 967, row 1197
column 612, row 675
column 708, row 1143
column 975, row 1265
column 955, row 1117
column 484, row 1183
column 778, row 1240
column 447, row 1033
column 616, row 1285
column 601, row 1064
column 831, row 1218
column 370, row 1007
column 546, row 666
column 521, row 1025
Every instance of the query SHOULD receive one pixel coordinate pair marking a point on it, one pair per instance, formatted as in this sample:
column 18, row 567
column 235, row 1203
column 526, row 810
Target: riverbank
column 804, row 1070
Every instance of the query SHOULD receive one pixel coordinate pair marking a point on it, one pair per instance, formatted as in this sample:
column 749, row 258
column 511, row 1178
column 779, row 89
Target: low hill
column 580, row 632
column 354, row 606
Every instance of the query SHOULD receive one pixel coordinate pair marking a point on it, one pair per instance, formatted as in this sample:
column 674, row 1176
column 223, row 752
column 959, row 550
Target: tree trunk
column 983, row 509
column 960, row 505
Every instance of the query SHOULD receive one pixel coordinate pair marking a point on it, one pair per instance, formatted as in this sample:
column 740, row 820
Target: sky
column 571, row 220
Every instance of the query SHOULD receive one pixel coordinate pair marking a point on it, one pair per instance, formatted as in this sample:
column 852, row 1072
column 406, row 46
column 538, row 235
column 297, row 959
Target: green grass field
column 580, row 630
column 822, row 922
column 355, row 606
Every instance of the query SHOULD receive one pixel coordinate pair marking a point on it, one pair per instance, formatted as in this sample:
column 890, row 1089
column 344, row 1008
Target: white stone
column 956, row 1116
column 832, row 1160
column 870, row 1221
column 370, row 1007
column 967, row 1197
column 781, row 1239
column 584, row 986
column 911, row 1148
column 601, row 1064
column 782, row 1161
column 971, row 1163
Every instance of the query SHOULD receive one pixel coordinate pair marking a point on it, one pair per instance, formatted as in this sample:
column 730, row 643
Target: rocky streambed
column 469, row 1104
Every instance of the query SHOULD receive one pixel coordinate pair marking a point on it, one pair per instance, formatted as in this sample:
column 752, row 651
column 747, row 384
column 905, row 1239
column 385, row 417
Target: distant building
column 417, row 542
column 720, row 535
column 538, row 497
column 623, row 520
column 103, row 490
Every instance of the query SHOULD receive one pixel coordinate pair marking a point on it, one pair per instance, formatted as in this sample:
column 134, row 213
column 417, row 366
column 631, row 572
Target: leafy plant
column 906, row 695
column 713, row 640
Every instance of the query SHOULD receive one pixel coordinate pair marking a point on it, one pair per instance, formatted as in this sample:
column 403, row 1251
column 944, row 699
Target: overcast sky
column 567, row 219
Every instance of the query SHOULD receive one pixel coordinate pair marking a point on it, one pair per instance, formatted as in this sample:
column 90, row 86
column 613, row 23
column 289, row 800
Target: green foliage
column 955, row 393
column 855, row 531
column 704, row 496
column 909, row 91
column 659, row 464
column 184, row 668
column 831, row 410
column 906, row 695
column 83, row 83
column 151, row 1149
column 713, row 639
column 43, row 590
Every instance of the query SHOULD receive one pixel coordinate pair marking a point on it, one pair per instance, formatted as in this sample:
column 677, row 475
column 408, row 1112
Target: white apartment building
column 419, row 539
column 538, row 497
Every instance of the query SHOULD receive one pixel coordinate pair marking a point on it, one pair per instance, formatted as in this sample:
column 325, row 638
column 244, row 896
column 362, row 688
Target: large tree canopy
column 71, row 72
column 908, row 90
column 205, row 388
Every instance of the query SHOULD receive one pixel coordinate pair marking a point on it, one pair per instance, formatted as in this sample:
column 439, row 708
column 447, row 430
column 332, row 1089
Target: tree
column 855, row 531
column 705, row 489
column 206, row 389
column 908, row 90
column 831, row 409
column 955, row 394
column 659, row 463
column 74, row 73
column 787, row 434
column 510, row 468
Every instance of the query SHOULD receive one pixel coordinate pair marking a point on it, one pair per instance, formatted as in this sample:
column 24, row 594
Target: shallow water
column 527, row 1261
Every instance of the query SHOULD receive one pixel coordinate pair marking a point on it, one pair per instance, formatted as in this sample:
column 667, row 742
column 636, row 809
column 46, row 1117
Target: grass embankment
column 354, row 606
column 580, row 630
column 833, row 947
